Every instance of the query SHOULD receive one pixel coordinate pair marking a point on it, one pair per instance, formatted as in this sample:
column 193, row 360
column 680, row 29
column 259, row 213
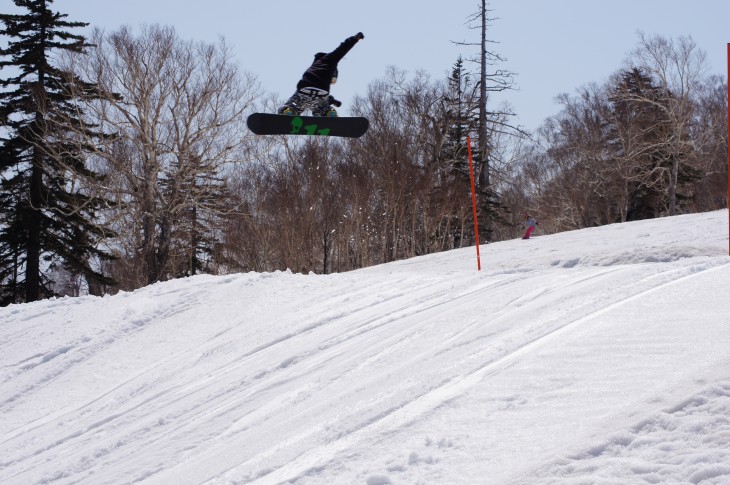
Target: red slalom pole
column 474, row 201
column 728, row 138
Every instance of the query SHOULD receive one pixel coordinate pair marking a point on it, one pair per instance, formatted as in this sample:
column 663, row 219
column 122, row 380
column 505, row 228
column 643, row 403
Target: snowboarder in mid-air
column 313, row 95
column 313, row 89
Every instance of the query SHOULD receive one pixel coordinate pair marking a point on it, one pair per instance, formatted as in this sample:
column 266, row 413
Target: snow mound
column 594, row 356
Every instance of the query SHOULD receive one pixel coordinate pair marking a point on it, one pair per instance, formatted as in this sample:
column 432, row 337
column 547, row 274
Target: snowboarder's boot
column 287, row 110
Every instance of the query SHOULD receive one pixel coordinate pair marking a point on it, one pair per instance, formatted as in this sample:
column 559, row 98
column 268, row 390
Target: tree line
column 649, row 142
column 125, row 161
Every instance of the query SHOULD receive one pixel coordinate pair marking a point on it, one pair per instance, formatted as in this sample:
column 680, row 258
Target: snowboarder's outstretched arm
column 337, row 54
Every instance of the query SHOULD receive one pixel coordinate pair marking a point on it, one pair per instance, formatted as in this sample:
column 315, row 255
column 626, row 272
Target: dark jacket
column 324, row 68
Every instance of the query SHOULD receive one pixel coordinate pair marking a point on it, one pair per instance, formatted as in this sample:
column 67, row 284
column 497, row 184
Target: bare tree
column 491, row 121
column 646, row 143
column 710, row 131
column 177, row 109
column 678, row 67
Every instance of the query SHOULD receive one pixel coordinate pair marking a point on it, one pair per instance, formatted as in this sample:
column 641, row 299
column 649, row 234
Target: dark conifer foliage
column 46, row 216
column 639, row 107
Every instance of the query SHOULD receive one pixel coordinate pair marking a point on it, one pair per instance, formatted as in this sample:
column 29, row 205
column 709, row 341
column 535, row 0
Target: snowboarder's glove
column 333, row 101
column 359, row 36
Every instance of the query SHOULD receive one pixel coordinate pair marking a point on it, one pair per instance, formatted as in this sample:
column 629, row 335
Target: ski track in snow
column 420, row 406
column 413, row 372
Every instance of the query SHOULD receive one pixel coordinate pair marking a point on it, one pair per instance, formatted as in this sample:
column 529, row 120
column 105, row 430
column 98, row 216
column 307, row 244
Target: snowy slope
column 594, row 356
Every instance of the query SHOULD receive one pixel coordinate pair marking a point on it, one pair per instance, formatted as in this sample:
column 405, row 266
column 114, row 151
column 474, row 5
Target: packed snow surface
column 593, row 356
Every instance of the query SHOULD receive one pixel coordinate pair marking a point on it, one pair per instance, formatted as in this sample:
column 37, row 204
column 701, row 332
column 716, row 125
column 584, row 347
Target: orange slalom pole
column 473, row 201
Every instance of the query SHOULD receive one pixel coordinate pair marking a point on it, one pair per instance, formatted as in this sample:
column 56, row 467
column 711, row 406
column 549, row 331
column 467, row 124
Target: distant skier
column 313, row 89
column 529, row 223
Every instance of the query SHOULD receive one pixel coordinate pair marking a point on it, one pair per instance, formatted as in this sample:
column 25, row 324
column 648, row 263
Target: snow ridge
column 596, row 355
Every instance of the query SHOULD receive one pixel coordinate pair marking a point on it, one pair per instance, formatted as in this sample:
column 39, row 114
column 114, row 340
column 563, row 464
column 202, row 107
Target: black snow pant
column 315, row 100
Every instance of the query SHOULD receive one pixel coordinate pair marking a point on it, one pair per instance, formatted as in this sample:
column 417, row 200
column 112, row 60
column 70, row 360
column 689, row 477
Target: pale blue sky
column 554, row 46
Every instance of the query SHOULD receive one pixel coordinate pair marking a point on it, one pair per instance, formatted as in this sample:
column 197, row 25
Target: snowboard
column 271, row 124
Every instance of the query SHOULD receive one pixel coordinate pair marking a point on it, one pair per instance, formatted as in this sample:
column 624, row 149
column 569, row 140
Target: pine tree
column 491, row 124
column 46, row 216
column 453, row 180
column 462, row 104
column 202, row 209
column 638, row 136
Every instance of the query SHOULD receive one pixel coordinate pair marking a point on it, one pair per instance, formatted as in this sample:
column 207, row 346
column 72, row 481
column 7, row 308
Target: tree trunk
column 484, row 176
column 673, row 186
column 33, row 269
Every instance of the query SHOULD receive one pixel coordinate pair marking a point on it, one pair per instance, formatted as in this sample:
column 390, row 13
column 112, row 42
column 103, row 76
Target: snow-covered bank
column 594, row 356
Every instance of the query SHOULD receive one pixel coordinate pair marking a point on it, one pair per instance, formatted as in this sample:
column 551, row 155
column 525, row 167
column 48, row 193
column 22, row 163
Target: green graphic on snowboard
column 297, row 123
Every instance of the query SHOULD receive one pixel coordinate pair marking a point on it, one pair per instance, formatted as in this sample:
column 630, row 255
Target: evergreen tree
column 462, row 118
column 641, row 135
column 46, row 215
column 203, row 207
column 492, row 123
column 453, row 180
